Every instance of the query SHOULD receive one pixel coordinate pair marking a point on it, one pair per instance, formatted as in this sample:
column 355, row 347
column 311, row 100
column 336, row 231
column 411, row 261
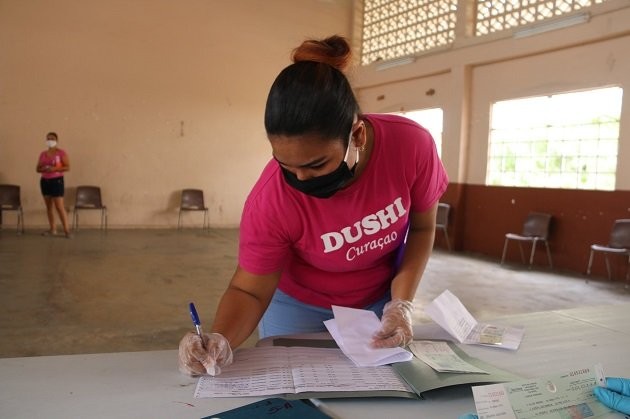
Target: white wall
column 474, row 73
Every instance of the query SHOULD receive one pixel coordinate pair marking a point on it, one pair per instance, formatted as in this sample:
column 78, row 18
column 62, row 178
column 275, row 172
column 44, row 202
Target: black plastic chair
column 89, row 198
column 192, row 200
column 535, row 229
column 10, row 201
column 441, row 221
column 618, row 244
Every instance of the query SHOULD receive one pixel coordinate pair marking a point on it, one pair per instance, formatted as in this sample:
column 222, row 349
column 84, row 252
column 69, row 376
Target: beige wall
column 147, row 96
column 152, row 96
column 473, row 74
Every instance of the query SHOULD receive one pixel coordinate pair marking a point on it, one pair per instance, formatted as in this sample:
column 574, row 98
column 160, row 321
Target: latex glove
column 195, row 360
column 396, row 325
column 615, row 395
column 469, row 416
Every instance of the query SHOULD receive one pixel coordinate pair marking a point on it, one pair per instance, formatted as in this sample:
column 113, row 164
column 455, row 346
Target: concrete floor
column 128, row 290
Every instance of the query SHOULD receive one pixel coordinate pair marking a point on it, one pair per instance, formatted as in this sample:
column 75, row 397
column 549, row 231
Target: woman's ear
column 359, row 137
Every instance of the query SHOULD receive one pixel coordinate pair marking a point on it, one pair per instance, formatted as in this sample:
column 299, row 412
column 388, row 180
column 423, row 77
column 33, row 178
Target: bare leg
column 61, row 210
column 49, row 213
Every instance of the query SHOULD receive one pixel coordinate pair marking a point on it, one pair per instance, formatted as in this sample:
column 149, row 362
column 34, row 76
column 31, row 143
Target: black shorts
column 52, row 187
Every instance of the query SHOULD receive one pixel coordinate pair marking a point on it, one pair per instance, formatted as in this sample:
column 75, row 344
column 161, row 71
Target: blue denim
column 286, row 316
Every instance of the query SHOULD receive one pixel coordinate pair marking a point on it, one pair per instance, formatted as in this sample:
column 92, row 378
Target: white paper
column 264, row 371
column 449, row 312
column 440, row 357
column 353, row 329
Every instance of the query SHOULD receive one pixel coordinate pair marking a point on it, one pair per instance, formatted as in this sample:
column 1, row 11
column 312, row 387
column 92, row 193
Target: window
column 497, row 15
column 398, row 28
column 431, row 119
column 565, row 141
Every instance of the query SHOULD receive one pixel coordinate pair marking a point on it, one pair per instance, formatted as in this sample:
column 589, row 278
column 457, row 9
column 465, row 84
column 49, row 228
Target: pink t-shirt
column 341, row 250
column 55, row 160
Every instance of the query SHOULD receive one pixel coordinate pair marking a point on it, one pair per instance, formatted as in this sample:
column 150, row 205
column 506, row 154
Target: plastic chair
column 10, row 201
column 618, row 244
column 441, row 221
column 89, row 198
column 535, row 229
column 192, row 200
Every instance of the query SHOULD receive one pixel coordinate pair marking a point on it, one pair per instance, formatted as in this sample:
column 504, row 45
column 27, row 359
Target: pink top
column 54, row 160
column 341, row 250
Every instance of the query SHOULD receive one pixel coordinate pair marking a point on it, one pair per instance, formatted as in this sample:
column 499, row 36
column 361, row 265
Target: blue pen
column 196, row 321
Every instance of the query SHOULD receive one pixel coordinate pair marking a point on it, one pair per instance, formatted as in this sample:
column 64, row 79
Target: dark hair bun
column 334, row 51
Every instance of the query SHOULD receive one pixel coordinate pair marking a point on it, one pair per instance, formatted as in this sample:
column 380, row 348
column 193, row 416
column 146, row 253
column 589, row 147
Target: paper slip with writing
column 353, row 329
column 439, row 356
column 567, row 395
column 447, row 311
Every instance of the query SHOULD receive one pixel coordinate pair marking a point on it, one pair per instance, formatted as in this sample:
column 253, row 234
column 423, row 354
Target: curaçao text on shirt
column 369, row 225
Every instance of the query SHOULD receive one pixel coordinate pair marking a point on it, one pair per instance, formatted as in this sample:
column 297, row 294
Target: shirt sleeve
column 431, row 178
column 264, row 243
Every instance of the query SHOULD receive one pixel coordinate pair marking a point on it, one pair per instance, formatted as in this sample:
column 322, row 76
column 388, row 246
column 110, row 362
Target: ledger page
column 264, row 371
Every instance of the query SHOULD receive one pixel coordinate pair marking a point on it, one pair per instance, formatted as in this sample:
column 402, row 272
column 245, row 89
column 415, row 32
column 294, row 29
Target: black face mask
column 321, row 186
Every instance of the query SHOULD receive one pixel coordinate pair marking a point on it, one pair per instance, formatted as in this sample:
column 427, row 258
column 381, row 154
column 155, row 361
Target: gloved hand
column 615, row 395
column 469, row 416
column 198, row 359
column 396, row 325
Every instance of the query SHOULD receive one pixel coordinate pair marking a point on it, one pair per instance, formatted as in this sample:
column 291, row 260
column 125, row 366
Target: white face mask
column 51, row 143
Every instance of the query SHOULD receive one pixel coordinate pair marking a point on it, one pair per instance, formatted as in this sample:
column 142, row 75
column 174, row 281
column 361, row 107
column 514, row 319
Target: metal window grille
column 398, row 28
column 497, row 15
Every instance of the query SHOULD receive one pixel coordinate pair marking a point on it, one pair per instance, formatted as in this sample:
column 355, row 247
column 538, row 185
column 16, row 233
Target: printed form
column 566, row 395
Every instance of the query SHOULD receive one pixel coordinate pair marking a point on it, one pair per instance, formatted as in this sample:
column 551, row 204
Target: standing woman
column 326, row 221
column 51, row 164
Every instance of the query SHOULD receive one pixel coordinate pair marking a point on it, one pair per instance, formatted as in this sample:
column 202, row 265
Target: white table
column 147, row 384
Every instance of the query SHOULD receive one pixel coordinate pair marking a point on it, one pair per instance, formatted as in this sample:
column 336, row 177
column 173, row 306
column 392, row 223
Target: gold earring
column 362, row 148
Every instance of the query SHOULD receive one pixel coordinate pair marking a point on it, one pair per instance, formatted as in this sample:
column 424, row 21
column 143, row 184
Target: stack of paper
column 447, row 311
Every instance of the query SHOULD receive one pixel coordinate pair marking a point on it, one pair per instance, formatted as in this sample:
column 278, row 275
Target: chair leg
column 520, row 248
column 590, row 262
column 549, row 254
column 179, row 220
column 590, row 265
column 531, row 255
column 448, row 243
column 103, row 219
column 505, row 245
column 20, row 221
column 608, row 267
column 206, row 223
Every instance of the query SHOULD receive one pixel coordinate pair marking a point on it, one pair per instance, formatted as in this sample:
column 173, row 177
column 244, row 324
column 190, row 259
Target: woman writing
column 325, row 221
column 52, row 163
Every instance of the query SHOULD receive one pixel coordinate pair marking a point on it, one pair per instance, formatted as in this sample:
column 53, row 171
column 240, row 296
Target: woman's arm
column 396, row 322
column 243, row 305
column 41, row 167
column 65, row 164
column 417, row 251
